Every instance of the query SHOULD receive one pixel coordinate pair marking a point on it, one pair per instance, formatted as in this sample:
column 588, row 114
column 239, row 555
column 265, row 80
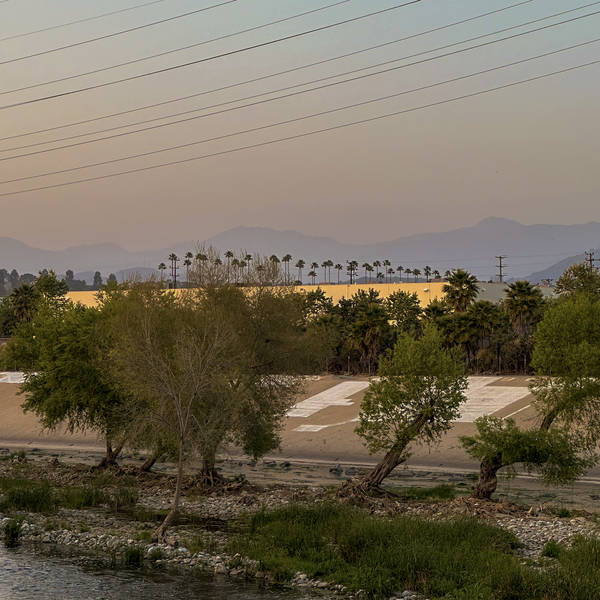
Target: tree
column 523, row 305
column 399, row 270
column 461, row 290
column 416, row 273
column 313, row 276
column 367, row 267
column 421, row 387
column 66, row 382
column 286, row 261
column 162, row 268
column 560, row 457
column 377, row 264
column 112, row 279
column 300, row 265
column 338, row 268
column 427, row 272
column 97, row 283
column 405, row 309
column 352, row 268
column 566, row 388
column 579, row 278
column 229, row 256
column 187, row 263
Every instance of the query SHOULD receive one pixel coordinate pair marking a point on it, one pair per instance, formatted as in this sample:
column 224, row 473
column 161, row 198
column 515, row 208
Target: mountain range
column 551, row 248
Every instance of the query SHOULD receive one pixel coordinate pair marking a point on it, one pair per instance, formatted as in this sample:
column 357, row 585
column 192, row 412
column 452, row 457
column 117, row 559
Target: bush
column 156, row 554
column 439, row 492
column 552, row 549
column 12, row 533
column 133, row 558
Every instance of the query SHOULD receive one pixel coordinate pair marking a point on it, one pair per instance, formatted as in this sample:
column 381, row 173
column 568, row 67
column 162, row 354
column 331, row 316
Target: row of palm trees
column 239, row 267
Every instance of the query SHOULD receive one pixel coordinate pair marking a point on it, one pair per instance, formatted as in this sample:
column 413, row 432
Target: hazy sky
column 530, row 152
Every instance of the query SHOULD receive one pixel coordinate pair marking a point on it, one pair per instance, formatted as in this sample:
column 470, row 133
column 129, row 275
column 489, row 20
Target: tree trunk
column 392, row 459
column 110, row 458
column 488, row 478
column 149, row 462
column 160, row 533
column 209, row 476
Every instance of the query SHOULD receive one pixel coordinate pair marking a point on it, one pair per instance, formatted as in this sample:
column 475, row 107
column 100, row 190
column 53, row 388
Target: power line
column 261, row 78
column 117, row 33
column 324, row 86
column 209, row 58
column 84, row 20
column 304, row 135
column 285, row 122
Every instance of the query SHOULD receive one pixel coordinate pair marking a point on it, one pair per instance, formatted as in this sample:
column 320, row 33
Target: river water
column 53, row 576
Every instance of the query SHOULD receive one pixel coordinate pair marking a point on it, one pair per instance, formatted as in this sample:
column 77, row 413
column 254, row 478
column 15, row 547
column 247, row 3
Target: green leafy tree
column 579, row 278
column 566, row 388
column 405, row 310
column 421, row 387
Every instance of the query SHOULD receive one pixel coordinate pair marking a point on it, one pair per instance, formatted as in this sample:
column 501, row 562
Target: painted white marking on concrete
column 512, row 414
column 335, row 396
column 12, row 377
column 313, row 428
column 484, row 399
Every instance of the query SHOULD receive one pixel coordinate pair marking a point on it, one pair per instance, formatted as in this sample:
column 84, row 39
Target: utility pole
column 589, row 257
column 501, row 267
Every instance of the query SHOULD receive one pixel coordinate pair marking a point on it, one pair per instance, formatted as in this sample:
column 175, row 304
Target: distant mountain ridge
column 474, row 248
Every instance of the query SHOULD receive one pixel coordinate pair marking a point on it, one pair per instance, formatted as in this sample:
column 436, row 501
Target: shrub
column 156, row 554
column 552, row 549
column 133, row 558
column 123, row 498
column 12, row 533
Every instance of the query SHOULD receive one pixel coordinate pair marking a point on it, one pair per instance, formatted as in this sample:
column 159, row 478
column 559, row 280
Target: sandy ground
column 311, row 454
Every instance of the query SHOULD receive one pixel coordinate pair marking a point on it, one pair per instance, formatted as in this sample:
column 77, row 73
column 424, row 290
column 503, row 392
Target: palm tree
column 523, row 305
column 174, row 260
column 390, row 273
column 380, row 277
column 447, row 275
column 369, row 271
column 436, row 274
column 399, row 269
column 162, row 268
column 352, row 267
column 416, row 273
column 228, row 256
column 327, row 264
column 339, row 268
column 235, row 263
column 377, row 264
column 366, row 266
column 243, row 264
column 23, row 301
column 386, row 264
column 286, row 261
column 201, row 258
column 408, row 272
column 314, row 266
column 427, row 272
column 187, row 263
column 300, row 265
column 461, row 290
column 312, row 275
column 248, row 259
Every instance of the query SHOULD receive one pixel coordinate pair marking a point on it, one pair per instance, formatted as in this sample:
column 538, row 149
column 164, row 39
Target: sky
column 529, row 152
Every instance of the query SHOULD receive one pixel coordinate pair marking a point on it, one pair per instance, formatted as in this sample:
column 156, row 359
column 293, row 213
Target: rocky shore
column 201, row 538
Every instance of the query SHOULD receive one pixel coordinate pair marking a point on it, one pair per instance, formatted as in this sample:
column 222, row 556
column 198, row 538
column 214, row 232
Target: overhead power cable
column 261, row 78
column 84, row 20
column 209, row 58
column 302, row 118
column 117, row 33
column 306, row 134
column 320, row 87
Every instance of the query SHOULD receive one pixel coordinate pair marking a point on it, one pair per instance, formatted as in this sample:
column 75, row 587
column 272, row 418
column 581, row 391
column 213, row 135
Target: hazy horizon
column 528, row 152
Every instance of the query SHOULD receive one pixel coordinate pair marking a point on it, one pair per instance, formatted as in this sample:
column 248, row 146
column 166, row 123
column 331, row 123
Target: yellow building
column 426, row 292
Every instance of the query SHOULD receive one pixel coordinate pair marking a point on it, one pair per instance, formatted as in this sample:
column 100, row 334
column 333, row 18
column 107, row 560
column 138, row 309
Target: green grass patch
column 461, row 559
column 133, row 558
column 82, row 497
column 439, row 492
column 30, row 496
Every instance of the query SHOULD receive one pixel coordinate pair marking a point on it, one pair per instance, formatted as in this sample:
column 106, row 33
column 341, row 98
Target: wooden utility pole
column 501, row 267
column 590, row 258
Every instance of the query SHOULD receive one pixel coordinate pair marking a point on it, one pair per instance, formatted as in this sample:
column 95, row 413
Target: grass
column 82, row 497
column 439, row 492
column 133, row 558
column 31, row 496
column 462, row 559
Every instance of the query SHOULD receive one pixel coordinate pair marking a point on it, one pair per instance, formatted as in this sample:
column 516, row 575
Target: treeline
column 217, row 366
column 11, row 280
